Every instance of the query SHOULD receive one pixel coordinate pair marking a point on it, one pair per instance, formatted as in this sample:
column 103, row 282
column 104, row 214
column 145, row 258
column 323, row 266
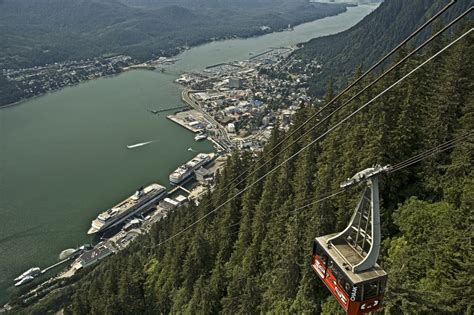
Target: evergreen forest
column 40, row 32
column 253, row 255
column 34, row 33
column 374, row 36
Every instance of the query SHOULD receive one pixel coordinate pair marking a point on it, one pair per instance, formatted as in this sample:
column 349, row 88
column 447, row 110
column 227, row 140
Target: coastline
column 179, row 51
column 57, row 114
column 24, row 100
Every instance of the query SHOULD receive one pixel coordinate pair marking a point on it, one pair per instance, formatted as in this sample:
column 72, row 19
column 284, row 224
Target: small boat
column 30, row 272
column 200, row 136
column 24, row 280
column 154, row 111
column 133, row 146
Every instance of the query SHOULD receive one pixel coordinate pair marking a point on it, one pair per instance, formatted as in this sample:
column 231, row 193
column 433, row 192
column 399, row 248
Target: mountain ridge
column 343, row 52
column 252, row 256
column 69, row 29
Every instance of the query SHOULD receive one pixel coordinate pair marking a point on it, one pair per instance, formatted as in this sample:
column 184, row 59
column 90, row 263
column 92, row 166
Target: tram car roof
column 349, row 257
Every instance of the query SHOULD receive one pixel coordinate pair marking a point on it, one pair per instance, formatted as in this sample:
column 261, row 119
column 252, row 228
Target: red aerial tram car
column 346, row 261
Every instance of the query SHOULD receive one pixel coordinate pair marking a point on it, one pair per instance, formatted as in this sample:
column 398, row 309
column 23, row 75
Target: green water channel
column 63, row 156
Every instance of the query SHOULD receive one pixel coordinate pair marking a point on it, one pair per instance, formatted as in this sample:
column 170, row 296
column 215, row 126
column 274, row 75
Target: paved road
column 223, row 137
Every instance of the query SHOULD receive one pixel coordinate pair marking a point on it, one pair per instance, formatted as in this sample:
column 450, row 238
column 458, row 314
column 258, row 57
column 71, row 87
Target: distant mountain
column 349, row 1
column 249, row 251
column 214, row 3
column 45, row 31
column 369, row 40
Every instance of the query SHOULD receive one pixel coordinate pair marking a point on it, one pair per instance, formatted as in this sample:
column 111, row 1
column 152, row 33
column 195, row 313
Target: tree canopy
column 253, row 255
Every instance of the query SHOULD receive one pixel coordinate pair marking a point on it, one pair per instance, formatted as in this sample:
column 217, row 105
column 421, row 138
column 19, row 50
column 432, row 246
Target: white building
column 231, row 128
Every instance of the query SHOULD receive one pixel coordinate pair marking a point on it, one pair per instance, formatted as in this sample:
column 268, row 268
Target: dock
column 182, row 123
column 142, row 66
column 168, row 109
column 55, row 265
column 187, row 118
column 217, row 144
column 223, row 64
column 172, row 191
column 262, row 53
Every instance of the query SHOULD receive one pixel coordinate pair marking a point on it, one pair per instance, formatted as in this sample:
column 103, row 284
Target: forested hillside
column 9, row 91
column 214, row 3
column 253, row 255
column 369, row 40
column 45, row 31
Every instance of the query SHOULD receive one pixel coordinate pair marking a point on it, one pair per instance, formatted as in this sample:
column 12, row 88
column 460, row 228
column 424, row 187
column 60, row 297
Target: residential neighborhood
column 42, row 79
column 241, row 102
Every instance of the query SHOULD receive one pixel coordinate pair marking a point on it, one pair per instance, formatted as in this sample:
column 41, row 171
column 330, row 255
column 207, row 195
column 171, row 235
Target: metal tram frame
column 346, row 262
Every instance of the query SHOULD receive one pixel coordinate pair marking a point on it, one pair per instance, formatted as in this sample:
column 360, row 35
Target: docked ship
column 138, row 202
column 32, row 272
column 200, row 136
column 24, row 280
column 185, row 171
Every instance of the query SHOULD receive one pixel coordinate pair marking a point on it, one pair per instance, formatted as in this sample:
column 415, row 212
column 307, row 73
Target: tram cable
column 351, row 99
column 392, row 68
column 373, row 67
column 321, row 199
column 313, row 202
column 426, row 154
column 351, row 85
column 395, row 168
column 318, row 138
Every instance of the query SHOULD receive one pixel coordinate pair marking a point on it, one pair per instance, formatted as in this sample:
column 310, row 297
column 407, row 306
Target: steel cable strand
column 373, row 67
column 320, row 137
column 434, row 36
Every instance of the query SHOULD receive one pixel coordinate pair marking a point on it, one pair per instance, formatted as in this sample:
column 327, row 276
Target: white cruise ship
column 24, row 280
column 140, row 201
column 32, row 272
column 185, row 171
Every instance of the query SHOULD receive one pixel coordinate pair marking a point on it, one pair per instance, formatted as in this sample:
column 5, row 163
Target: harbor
column 141, row 216
column 191, row 120
column 161, row 110
column 79, row 163
column 120, row 225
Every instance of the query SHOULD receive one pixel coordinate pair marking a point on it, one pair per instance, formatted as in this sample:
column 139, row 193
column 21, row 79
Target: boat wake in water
column 133, row 146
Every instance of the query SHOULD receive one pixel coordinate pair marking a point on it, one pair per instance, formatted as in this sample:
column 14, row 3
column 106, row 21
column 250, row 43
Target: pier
column 223, row 64
column 55, row 265
column 156, row 111
column 262, row 53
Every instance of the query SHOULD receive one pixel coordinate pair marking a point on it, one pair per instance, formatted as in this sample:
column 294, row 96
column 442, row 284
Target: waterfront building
column 91, row 257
